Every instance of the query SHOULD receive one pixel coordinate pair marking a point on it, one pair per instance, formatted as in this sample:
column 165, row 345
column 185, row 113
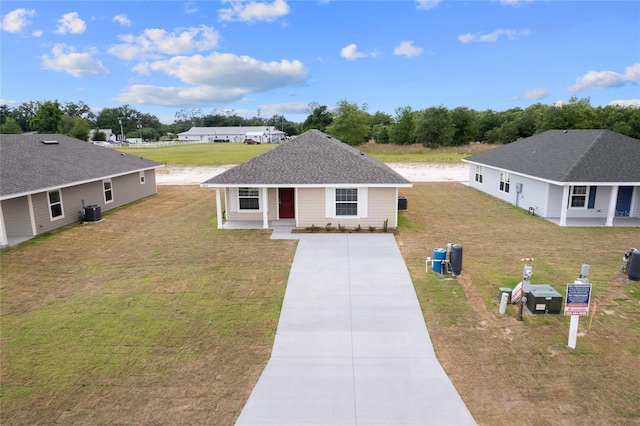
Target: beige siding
column 311, row 207
column 381, row 206
column 273, row 203
column 126, row 189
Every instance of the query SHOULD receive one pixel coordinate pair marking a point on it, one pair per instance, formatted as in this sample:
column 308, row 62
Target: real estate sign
column 577, row 300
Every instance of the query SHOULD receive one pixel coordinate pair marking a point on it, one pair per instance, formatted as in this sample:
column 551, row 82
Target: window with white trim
column 55, row 204
column 346, row 201
column 479, row 173
column 505, row 181
column 142, row 178
column 578, row 196
column 108, row 191
column 248, row 199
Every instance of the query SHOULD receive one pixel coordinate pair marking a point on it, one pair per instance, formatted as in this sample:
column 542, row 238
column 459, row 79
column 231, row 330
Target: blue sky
column 278, row 56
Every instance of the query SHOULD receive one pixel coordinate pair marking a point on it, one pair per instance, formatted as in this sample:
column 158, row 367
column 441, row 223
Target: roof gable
column 569, row 156
column 312, row 158
column 28, row 165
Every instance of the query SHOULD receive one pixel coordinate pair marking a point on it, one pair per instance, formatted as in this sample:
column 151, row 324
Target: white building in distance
column 261, row 134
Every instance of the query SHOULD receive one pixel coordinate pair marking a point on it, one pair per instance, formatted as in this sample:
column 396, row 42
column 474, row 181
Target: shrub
column 385, row 225
column 328, row 227
column 342, row 228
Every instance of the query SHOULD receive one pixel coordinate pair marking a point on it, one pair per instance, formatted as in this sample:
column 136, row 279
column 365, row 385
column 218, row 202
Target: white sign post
column 576, row 305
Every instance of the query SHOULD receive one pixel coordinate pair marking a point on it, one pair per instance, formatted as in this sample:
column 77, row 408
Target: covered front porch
column 620, row 221
column 281, row 228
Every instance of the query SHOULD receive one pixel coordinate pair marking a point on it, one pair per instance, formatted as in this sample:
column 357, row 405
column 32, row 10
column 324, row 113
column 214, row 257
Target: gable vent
column 51, row 142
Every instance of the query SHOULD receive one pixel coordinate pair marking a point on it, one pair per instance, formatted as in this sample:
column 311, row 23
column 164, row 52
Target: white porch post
column 218, row 208
column 611, row 211
column 34, row 230
column 563, row 206
column 4, row 241
column 265, row 208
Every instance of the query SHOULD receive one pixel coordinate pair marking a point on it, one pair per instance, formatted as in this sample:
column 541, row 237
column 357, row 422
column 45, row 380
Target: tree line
column 439, row 126
column 352, row 123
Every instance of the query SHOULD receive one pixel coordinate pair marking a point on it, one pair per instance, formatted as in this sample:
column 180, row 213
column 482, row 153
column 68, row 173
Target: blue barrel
column 456, row 259
column 439, row 254
column 634, row 265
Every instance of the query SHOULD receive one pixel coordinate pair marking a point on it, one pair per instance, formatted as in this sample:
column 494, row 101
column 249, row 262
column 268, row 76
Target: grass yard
column 206, row 154
column 211, row 154
column 156, row 317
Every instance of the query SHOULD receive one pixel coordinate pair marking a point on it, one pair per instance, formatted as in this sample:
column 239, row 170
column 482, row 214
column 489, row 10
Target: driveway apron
column 352, row 347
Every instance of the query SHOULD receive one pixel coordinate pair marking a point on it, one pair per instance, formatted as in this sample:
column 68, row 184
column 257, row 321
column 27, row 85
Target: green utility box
column 544, row 299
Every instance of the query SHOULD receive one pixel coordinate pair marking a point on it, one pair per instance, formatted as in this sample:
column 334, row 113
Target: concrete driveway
column 352, row 347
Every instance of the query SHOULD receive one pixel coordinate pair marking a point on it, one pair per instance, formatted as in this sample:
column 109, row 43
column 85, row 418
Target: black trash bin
column 402, row 203
column 92, row 213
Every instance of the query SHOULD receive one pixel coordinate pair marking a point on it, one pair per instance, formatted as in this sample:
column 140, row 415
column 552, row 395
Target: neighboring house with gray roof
column 46, row 181
column 262, row 134
column 313, row 179
column 571, row 177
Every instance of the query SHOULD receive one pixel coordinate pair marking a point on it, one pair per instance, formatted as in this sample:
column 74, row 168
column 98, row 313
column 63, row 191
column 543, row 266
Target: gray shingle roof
column 312, row 158
column 569, row 156
column 27, row 165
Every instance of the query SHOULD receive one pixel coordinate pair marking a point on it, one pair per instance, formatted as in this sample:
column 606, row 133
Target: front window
column 55, row 204
column 249, row 198
column 108, row 191
column 578, row 196
column 479, row 173
column 505, row 181
column 346, row 202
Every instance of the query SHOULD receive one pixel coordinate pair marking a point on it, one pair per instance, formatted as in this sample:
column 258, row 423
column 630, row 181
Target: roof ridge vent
column 50, row 142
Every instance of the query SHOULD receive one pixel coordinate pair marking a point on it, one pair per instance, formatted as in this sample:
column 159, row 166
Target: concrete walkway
column 352, row 347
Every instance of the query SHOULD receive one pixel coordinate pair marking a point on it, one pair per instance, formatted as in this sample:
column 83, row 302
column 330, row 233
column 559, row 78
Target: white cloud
column 190, row 7
column 351, row 53
column 65, row 59
column 155, row 42
column 37, row 33
column 626, row 103
column 254, row 11
column 216, row 78
column 515, row 2
column 70, row 23
column 16, row 20
column 177, row 96
column 284, row 108
column 606, row 79
column 123, row 20
column 427, row 4
column 535, row 94
column 493, row 37
column 406, row 48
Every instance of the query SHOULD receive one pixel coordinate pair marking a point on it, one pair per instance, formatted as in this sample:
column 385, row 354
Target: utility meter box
column 544, row 299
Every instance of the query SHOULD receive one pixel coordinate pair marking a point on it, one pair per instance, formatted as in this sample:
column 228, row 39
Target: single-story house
column 570, row 177
column 46, row 181
column 313, row 179
column 262, row 134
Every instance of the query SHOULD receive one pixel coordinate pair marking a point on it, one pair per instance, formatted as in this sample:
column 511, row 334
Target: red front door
column 287, row 205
